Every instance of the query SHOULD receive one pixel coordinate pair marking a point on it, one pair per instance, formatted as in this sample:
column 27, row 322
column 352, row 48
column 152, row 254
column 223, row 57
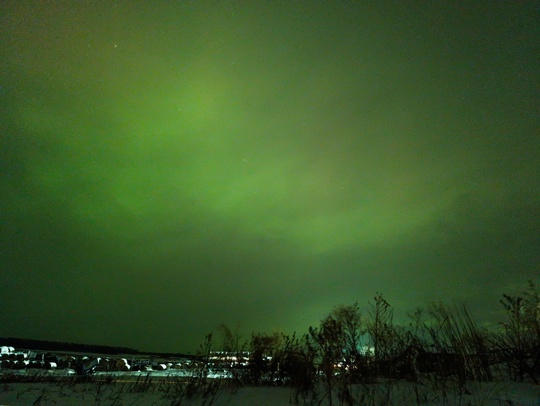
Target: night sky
column 168, row 166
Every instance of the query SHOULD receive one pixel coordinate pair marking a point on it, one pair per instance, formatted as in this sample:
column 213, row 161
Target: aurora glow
column 170, row 166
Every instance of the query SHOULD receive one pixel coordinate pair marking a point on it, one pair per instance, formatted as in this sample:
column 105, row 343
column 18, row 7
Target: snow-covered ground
column 126, row 392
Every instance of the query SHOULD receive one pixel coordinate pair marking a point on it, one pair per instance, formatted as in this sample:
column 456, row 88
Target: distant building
column 228, row 358
column 7, row 350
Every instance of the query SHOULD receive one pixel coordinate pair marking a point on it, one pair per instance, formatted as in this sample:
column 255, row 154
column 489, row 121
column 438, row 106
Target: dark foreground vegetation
column 350, row 353
column 349, row 348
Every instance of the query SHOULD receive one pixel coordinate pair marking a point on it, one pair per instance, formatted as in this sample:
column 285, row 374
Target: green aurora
column 171, row 166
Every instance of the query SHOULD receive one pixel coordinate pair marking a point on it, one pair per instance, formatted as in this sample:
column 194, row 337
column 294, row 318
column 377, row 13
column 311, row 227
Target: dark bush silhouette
column 518, row 342
column 441, row 346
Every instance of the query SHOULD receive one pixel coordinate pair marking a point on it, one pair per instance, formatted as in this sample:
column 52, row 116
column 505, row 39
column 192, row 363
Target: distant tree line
column 58, row 346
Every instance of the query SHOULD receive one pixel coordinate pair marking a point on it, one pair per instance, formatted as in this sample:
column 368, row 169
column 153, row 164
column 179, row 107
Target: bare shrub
column 518, row 340
column 264, row 358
